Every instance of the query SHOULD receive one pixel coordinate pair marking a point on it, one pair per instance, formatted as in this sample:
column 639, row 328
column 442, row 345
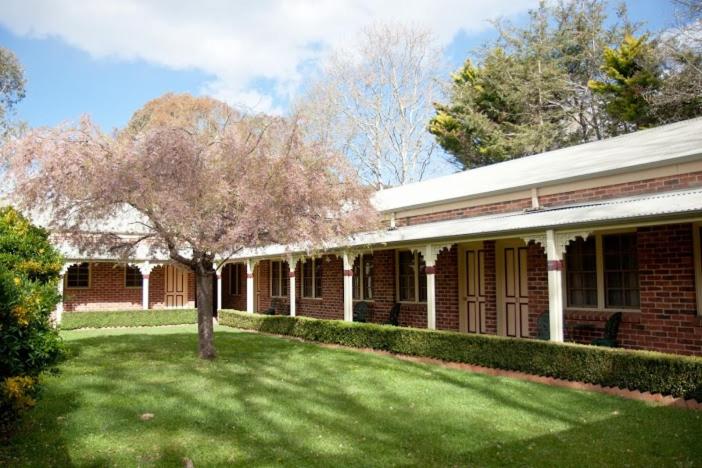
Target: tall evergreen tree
column 529, row 90
column 632, row 73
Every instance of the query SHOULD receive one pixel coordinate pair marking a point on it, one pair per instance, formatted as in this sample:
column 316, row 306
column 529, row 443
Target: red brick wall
column 490, row 288
column 383, row 285
column 230, row 300
column 537, row 279
column 667, row 320
column 331, row 306
column 447, row 289
column 654, row 185
column 107, row 290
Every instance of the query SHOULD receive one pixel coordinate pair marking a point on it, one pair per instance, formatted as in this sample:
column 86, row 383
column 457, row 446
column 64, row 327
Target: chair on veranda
column 611, row 330
column 394, row 318
column 273, row 307
column 361, row 312
column 543, row 328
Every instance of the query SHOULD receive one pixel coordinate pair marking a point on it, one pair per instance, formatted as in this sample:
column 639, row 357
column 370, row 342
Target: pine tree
column 632, row 73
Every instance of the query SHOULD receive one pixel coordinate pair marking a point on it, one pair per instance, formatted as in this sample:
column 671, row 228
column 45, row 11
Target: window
column 235, row 279
column 78, row 276
column 312, row 278
column 132, row 277
column 363, row 278
column 621, row 270
column 279, row 279
column 411, row 277
column 581, row 268
column 602, row 272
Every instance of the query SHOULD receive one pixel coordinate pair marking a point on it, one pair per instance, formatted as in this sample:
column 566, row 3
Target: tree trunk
column 204, row 278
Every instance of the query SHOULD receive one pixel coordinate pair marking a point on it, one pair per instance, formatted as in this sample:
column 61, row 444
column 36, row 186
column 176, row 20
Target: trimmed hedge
column 127, row 318
column 680, row 376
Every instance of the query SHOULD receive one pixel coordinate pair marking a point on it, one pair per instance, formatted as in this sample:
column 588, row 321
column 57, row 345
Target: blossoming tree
column 201, row 180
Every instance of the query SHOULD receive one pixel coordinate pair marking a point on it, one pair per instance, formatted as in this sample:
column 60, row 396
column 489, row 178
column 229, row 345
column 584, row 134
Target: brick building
column 578, row 234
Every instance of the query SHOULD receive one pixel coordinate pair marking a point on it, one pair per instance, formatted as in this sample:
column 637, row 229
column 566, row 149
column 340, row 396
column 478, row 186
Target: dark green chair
column 361, row 312
column 543, row 328
column 611, row 330
column 271, row 310
column 394, row 318
column 277, row 307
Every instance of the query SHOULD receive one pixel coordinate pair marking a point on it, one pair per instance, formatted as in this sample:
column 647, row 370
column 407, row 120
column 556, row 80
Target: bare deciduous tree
column 201, row 180
column 373, row 101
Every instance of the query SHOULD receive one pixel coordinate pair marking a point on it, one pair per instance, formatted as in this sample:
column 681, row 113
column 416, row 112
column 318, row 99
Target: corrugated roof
column 598, row 214
column 659, row 146
column 670, row 205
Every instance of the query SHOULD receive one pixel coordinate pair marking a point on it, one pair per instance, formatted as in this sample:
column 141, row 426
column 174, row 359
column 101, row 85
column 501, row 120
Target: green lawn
column 268, row 401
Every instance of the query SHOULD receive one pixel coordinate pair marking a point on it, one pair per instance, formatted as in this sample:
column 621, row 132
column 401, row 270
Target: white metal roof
column 655, row 147
column 668, row 205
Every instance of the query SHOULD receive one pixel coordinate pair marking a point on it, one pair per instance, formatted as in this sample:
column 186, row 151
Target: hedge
column 680, row 376
column 127, row 318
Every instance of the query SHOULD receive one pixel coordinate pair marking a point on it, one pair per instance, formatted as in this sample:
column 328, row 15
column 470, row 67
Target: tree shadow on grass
column 269, row 401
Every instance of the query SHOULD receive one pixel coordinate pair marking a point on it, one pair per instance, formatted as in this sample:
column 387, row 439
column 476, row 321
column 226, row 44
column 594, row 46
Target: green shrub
column 29, row 344
column 679, row 376
column 127, row 318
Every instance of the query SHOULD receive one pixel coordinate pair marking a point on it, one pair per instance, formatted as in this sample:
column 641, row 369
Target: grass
column 269, row 401
column 127, row 318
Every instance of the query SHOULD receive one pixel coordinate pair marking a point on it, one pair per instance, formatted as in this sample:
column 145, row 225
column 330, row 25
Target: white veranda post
column 430, row 254
column 219, row 286
column 554, row 258
column 555, row 243
column 145, row 269
column 292, row 264
column 348, row 260
column 250, row 265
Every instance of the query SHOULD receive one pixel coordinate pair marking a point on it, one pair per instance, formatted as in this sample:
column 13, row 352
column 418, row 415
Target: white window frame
column 304, row 291
column 361, row 279
column 416, row 255
column 284, row 276
column 599, row 259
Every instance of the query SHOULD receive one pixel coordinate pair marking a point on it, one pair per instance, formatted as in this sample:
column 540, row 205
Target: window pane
column 284, row 278
column 422, row 278
column 356, row 281
column 368, row 277
column 307, row 277
column 581, row 275
column 406, row 276
column 318, row 277
column 133, row 277
column 275, row 278
column 78, row 276
column 621, row 270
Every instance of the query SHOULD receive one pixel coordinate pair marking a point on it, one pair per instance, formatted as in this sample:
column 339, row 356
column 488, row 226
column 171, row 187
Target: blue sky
column 107, row 58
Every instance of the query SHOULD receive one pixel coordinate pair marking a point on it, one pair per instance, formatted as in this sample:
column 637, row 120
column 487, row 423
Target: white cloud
column 239, row 43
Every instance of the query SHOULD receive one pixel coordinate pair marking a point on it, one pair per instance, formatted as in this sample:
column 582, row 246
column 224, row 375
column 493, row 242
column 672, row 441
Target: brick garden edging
column 656, row 398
